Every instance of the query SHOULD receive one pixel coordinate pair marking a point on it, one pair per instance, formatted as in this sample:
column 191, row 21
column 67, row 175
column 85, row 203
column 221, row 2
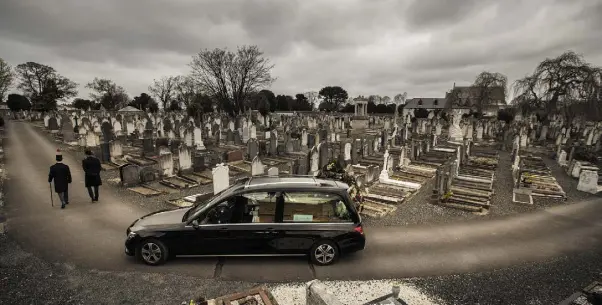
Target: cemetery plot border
column 533, row 174
column 178, row 182
column 145, row 191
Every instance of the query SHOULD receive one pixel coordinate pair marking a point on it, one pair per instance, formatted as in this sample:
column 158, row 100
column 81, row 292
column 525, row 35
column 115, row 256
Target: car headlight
column 132, row 235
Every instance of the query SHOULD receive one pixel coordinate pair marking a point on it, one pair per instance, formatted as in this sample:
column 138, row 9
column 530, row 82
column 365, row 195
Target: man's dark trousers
column 93, row 192
column 64, row 197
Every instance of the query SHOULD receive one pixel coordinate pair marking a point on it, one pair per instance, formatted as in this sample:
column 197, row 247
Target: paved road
column 92, row 235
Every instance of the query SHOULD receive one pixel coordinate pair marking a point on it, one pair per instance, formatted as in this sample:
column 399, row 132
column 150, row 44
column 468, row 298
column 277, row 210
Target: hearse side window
column 314, row 207
column 255, row 207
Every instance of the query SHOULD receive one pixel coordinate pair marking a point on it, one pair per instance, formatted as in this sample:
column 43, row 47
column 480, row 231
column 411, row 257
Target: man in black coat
column 61, row 175
column 92, row 169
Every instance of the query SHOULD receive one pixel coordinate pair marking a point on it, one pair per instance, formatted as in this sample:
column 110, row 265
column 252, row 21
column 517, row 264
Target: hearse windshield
column 201, row 205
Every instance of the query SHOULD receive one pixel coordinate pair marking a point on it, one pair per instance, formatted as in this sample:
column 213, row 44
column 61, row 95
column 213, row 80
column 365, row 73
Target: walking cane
column 51, row 199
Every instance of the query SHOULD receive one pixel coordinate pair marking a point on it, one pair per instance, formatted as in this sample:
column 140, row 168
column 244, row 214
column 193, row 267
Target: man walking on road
column 61, row 175
column 92, row 169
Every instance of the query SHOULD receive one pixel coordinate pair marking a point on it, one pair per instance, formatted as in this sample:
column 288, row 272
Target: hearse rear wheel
column 324, row 252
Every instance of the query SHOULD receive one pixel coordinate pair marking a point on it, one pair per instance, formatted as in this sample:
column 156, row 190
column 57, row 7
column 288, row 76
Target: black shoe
column 66, row 202
column 62, row 206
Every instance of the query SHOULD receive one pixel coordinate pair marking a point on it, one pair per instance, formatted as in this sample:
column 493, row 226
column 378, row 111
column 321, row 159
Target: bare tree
column 386, row 100
column 164, row 89
column 108, row 94
column 559, row 82
column 312, row 97
column 6, row 78
column 185, row 90
column 231, row 77
column 43, row 85
column 489, row 88
column 374, row 99
column 400, row 98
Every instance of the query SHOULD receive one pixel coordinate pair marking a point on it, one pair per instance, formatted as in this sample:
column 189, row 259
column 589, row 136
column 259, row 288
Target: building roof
column 129, row 109
column 426, row 102
column 468, row 95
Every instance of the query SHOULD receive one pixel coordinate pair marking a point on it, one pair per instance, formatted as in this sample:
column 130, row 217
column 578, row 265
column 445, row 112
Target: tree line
column 234, row 81
column 220, row 79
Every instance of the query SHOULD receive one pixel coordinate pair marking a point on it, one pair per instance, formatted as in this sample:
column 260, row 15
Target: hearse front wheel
column 152, row 252
column 324, row 252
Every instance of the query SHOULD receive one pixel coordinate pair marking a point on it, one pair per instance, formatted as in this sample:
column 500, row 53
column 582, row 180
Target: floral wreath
column 334, row 170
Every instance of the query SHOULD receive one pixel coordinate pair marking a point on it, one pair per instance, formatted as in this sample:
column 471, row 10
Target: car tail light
column 359, row 229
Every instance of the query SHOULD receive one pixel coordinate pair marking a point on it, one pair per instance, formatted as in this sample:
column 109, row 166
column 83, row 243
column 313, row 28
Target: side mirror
column 195, row 223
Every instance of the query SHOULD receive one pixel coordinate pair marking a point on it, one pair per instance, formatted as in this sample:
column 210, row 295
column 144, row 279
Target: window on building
column 420, row 102
column 436, row 102
column 314, row 207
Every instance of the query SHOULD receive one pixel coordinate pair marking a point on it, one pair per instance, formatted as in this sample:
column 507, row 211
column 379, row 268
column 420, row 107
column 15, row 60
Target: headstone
column 354, row 149
column 147, row 144
column 314, row 162
column 52, row 124
column 148, row 174
column 257, row 167
column 221, row 178
column 234, row 155
column 252, row 149
column 105, row 152
column 68, row 132
column 237, row 139
column 184, row 159
column 166, row 164
column 323, row 154
column 273, row 171
column 198, row 139
column 588, row 181
column 562, row 158
column 273, row 142
column 107, row 132
column 347, row 152
column 129, row 174
column 311, row 140
column 229, row 137
column 198, row 162
column 115, row 149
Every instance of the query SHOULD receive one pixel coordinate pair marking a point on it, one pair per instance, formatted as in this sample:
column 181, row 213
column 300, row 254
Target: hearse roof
column 263, row 182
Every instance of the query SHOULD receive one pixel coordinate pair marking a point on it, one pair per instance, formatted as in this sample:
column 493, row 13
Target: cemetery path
column 92, row 235
column 84, row 234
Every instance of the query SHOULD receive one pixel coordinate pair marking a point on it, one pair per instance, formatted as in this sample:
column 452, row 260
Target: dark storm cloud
column 421, row 14
column 368, row 47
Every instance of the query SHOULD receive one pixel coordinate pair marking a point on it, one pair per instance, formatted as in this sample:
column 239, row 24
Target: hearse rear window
column 314, row 207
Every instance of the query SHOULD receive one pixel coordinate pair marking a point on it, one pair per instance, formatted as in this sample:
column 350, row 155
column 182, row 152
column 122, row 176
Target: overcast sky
column 368, row 47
